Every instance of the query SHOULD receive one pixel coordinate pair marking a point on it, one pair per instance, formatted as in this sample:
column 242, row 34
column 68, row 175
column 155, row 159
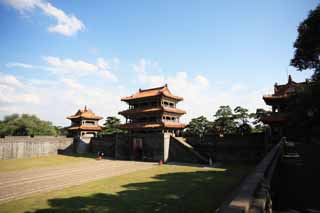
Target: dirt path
column 16, row 185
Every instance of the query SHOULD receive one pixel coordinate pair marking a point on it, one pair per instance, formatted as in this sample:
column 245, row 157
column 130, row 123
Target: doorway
column 137, row 148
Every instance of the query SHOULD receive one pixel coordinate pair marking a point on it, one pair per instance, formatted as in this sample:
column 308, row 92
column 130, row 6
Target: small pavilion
column 84, row 123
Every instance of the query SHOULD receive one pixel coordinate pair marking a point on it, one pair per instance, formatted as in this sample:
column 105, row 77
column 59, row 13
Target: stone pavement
column 20, row 184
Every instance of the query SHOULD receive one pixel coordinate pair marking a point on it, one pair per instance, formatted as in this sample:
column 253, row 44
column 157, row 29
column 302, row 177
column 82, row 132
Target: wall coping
column 244, row 198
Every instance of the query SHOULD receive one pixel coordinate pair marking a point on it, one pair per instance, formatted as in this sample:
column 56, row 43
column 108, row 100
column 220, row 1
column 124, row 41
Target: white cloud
column 108, row 75
column 202, row 81
column 54, row 99
column 9, row 80
column 57, row 98
column 102, row 63
column 72, row 84
column 79, row 68
column 67, row 25
column 146, row 76
column 71, row 66
column 12, row 91
column 116, row 61
column 22, row 5
column 17, row 64
column 201, row 97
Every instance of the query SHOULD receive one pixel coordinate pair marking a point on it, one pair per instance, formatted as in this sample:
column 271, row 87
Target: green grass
column 45, row 161
column 165, row 188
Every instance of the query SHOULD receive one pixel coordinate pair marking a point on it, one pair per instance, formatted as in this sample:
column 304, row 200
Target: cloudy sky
column 57, row 56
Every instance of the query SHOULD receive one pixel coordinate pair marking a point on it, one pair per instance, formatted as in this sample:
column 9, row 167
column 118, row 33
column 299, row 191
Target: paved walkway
column 16, row 185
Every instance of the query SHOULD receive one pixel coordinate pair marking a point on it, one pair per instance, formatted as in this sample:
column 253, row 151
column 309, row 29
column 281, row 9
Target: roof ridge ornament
column 289, row 79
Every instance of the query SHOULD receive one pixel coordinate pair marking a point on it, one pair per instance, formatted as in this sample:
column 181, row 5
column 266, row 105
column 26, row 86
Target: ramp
column 181, row 151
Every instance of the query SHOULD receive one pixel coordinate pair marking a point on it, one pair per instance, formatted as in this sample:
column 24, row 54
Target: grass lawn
column 166, row 188
column 45, row 161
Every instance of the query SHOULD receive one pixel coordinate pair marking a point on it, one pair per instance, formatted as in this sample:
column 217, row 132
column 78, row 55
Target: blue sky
column 57, row 56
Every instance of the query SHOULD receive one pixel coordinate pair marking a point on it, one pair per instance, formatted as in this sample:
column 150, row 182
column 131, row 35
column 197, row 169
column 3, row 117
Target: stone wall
column 232, row 148
column 153, row 146
column 254, row 193
column 156, row 147
column 12, row 147
column 122, row 147
column 104, row 144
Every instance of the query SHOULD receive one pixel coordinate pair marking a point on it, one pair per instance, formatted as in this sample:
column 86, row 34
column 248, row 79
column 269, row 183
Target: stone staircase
column 182, row 143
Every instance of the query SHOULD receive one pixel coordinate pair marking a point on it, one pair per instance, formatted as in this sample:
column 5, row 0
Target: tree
column 224, row 121
column 307, row 52
column 111, row 126
column 26, row 125
column 199, row 127
column 257, row 116
column 242, row 115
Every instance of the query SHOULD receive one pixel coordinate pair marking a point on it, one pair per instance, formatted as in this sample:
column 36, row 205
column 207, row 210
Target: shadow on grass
column 200, row 191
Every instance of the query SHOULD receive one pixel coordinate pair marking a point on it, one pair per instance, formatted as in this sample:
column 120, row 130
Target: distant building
column 84, row 124
column 279, row 101
column 153, row 110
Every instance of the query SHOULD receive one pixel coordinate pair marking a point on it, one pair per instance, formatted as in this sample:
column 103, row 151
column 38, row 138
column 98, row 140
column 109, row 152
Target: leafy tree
column 224, row 120
column 61, row 130
column 243, row 116
column 23, row 125
column 111, row 126
column 307, row 52
column 199, row 127
column 257, row 116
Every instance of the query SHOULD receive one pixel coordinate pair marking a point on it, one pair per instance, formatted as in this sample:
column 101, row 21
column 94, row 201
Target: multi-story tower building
column 279, row 101
column 153, row 110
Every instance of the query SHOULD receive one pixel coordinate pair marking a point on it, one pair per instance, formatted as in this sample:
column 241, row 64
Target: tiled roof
column 174, row 125
column 158, row 91
column 275, row 118
column 150, row 125
column 285, row 89
column 274, row 98
column 82, row 127
column 282, row 92
column 153, row 109
column 84, row 113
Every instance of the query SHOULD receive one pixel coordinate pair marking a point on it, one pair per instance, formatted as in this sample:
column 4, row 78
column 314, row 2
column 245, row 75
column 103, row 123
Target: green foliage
column 111, row 126
column 199, row 126
column 257, row 116
column 224, row 121
column 61, row 130
column 307, row 52
column 304, row 106
column 242, row 117
column 26, row 125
